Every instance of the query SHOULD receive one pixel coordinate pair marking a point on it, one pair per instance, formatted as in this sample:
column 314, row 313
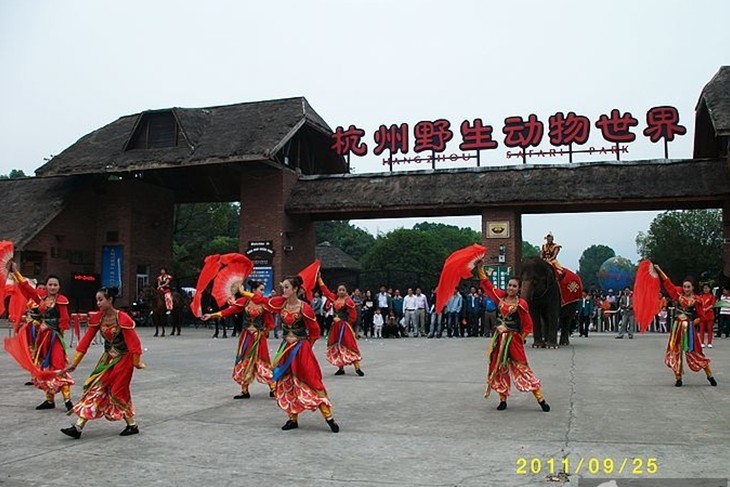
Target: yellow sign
column 498, row 230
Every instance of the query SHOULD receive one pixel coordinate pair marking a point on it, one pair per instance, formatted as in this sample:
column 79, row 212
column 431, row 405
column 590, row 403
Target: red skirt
column 301, row 387
column 48, row 342
column 506, row 357
column 252, row 358
column 106, row 391
column 684, row 339
column 342, row 348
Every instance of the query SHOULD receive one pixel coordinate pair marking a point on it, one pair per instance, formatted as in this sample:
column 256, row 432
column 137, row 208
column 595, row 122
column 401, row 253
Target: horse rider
column 164, row 282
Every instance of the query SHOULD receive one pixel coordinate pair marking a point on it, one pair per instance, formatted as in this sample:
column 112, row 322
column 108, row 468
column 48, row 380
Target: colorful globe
column 616, row 273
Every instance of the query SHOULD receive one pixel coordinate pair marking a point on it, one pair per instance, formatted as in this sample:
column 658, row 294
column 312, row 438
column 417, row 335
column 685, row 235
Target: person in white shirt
column 377, row 324
column 723, row 325
column 409, row 312
column 421, row 307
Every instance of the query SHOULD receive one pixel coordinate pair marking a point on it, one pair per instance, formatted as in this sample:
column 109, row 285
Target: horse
column 160, row 317
column 541, row 290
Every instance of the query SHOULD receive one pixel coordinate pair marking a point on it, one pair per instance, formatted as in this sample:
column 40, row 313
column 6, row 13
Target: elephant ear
column 457, row 266
column 646, row 294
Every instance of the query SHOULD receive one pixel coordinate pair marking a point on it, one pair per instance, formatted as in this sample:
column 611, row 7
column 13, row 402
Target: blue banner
column 111, row 266
column 263, row 274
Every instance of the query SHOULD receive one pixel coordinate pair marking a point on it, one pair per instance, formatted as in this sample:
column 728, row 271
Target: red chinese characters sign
column 565, row 131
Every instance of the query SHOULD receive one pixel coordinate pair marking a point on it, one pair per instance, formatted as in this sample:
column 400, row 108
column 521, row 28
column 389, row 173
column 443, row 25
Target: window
column 155, row 131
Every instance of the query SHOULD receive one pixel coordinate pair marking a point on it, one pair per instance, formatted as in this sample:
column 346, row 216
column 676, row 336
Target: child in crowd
column 377, row 324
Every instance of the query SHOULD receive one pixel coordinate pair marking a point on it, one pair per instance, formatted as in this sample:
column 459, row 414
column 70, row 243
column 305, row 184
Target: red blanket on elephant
column 571, row 287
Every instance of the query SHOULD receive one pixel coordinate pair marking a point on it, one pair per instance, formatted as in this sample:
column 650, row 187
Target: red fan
column 19, row 349
column 18, row 303
column 6, row 253
column 234, row 269
column 207, row 273
column 646, row 294
column 309, row 278
column 459, row 265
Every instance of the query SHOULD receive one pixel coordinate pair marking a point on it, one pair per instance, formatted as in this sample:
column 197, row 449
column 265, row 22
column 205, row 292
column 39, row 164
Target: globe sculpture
column 616, row 273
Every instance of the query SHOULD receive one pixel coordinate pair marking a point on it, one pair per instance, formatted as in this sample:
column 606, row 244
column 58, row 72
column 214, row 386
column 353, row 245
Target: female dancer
column 106, row 391
column 252, row 356
column 684, row 343
column 507, row 354
column 342, row 346
column 707, row 324
column 48, row 314
column 297, row 374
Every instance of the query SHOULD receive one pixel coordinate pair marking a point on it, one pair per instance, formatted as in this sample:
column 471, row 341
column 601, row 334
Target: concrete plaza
column 417, row 418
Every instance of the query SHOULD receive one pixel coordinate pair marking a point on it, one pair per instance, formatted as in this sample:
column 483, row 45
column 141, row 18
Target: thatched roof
column 244, row 132
column 334, row 258
column 716, row 97
column 601, row 186
column 29, row 204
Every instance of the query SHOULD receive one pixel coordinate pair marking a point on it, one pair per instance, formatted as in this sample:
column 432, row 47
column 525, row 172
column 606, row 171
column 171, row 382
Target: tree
column 407, row 258
column 684, row 243
column 590, row 262
column 14, row 174
column 201, row 229
column 350, row 239
column 529, row 251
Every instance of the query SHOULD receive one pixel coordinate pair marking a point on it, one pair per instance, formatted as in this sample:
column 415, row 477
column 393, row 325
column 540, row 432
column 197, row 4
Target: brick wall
column 512, row 243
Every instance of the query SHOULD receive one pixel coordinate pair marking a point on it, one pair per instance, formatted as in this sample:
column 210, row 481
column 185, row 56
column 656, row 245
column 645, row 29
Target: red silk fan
column 457, row 266
column 17, row 346
column 6, row 253
column 211, row 264
column 646, row 294
column 309, row 278
column 233, row 271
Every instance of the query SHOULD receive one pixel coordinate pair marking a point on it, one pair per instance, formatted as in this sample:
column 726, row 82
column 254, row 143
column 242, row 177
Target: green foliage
column 14, row 173
column 590, row 262
column 685, row 242
column 350, row 239
column 529, row 251
column 202, row 229
column 406, row 258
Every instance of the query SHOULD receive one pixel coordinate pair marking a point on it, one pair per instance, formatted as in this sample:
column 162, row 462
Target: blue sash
column 280, row 369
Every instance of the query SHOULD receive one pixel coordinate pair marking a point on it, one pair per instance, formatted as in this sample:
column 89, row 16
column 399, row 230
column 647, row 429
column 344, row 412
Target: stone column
column 263, row 200
column 502, row 235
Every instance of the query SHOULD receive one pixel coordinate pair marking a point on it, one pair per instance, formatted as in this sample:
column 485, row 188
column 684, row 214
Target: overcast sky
column 70, row 67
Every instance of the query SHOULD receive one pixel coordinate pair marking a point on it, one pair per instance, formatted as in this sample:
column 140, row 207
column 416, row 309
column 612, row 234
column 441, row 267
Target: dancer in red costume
column 342, row 346
column 684, row 343
column 298, row 377
column 507, row 354
column 164, row 281
column 252, row 355
column 707, row 324
column 106, row 391
column 49, row 318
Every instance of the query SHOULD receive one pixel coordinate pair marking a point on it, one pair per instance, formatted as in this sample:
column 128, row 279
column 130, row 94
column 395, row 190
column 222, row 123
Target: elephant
column 541, row 290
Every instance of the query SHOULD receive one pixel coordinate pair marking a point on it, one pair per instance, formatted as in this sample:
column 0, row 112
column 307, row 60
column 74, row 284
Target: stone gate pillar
column 502, row 235
column 726, row 238
column 263, row 199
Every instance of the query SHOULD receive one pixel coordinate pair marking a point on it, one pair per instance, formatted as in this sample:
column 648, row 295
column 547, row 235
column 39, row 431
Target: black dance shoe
column 69, row 405
column 544, row 405
column 712, row 380
column 243, row 395
column 340, row 372
column 333, row 426
column 272, row 394
column 46, row 405
column 72, row 431
column 678, row 383
column 29, row 383
column 502, row 406
column 290, row 425
column 130, row 430
column 359, row 372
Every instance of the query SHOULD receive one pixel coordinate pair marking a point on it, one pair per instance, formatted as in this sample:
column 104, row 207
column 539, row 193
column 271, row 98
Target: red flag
column 646, row 294
column 457, row 266
column 309, row 278
column 211, row 264
column 6, row 253
column 17, row 346
column 234, row 269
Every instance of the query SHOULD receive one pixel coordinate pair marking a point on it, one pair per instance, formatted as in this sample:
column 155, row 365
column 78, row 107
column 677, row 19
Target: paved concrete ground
column 417, row 418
